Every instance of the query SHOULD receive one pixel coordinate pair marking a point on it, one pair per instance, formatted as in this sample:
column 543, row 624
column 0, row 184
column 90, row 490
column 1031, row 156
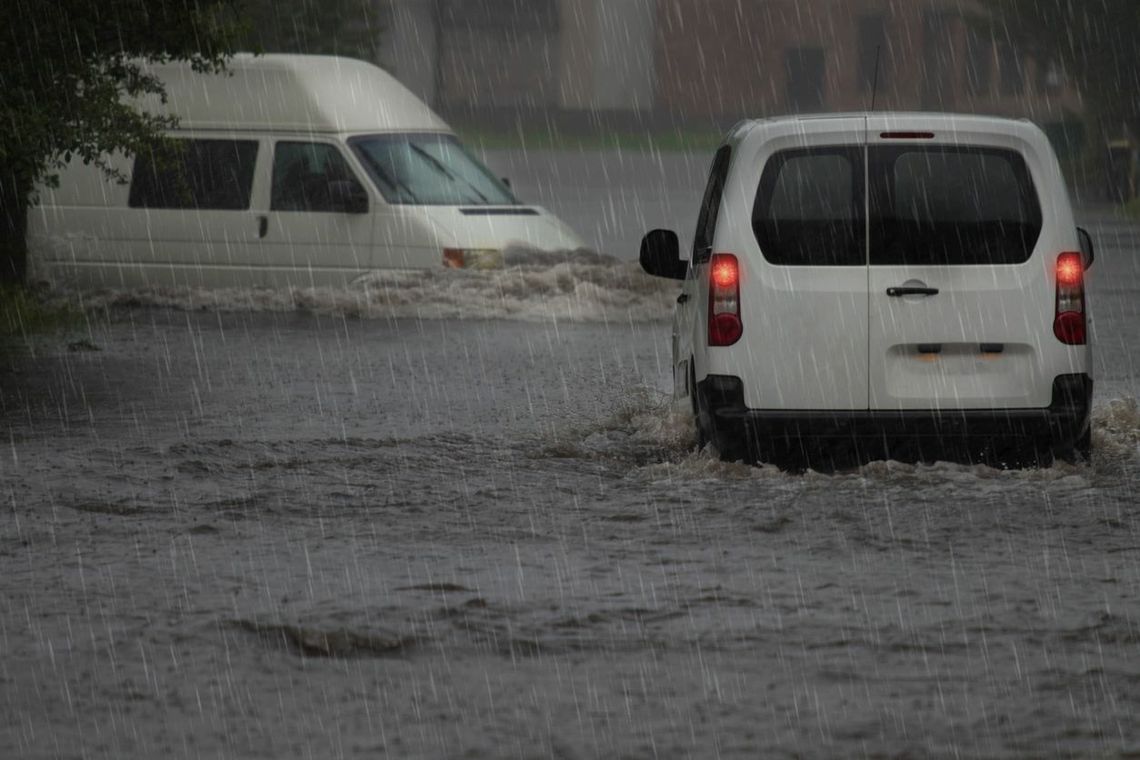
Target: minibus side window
column 311, row 176
column 198, row 174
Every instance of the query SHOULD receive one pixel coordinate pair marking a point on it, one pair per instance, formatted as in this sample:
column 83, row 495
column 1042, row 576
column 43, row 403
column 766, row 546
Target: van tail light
column 1069, row 317
column 725, row 327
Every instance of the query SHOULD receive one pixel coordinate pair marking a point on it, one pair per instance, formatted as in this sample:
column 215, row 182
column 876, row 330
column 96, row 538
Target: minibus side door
column 318, row 229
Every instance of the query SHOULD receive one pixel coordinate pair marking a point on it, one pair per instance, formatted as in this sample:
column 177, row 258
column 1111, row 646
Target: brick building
column 713, row 61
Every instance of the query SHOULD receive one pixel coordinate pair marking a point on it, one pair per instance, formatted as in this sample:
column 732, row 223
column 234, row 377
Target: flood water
column 360, row 525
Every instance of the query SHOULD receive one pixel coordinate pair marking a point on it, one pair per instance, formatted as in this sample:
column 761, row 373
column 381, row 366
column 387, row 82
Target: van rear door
column 959, row 294
column 804, row 279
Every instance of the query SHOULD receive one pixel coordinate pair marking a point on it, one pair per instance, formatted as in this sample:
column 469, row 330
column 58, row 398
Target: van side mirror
column 661, row 255
column 1086, row 246
column 348, row 197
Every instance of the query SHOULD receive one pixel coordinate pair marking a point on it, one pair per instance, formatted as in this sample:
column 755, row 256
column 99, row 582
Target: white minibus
column 289, row 170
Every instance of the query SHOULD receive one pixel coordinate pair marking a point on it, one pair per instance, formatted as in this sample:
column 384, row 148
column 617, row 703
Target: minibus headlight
column 472, row 258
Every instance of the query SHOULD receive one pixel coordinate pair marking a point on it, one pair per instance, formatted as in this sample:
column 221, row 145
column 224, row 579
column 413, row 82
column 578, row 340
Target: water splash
column 574, row 286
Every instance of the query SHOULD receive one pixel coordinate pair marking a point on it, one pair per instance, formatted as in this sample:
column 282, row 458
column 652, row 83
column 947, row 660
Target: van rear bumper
column 1061, row 423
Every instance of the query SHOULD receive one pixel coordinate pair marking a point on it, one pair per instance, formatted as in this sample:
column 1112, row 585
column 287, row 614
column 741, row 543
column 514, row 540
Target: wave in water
column 658, row 438
column 574, row 286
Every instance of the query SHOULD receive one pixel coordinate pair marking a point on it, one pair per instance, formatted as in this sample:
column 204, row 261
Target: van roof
column 934, row 117
column 897, row 120
column 306, row 93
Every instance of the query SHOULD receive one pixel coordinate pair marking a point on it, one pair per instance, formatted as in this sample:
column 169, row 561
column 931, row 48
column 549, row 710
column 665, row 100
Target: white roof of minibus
column 306, row 93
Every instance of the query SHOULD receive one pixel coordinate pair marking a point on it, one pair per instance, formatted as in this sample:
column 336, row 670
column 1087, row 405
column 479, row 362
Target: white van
column 292, row 170
column 892, row 285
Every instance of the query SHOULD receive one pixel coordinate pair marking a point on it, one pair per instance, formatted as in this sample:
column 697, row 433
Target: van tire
column 730, row 445
column 1080, row 450
column 1084, row 444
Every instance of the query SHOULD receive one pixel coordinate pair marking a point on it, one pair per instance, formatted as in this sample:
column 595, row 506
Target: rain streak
column 353, row 425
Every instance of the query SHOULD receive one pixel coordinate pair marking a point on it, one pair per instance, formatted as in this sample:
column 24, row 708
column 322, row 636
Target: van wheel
column 1084, row 444
column 1032, row 455
column 702, row 436
column 1079, row 450
column 731, row 448
column 702, row 421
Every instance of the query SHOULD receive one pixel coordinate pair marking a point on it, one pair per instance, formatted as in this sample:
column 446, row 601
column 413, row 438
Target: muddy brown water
column 347, row 532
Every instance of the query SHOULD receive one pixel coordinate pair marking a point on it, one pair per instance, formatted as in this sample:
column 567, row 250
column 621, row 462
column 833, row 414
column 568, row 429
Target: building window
column 515, row 15
column 1012, row 74
column 804, row 69
column 937, row 59
column 979, row 64
column 1050, row 76
column 872, row 53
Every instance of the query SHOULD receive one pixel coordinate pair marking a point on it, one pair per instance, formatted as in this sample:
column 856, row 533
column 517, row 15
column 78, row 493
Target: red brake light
column 1070, row 269
column 725, row 327
column 724, row 271
column 1069, row 314
column 907, row 135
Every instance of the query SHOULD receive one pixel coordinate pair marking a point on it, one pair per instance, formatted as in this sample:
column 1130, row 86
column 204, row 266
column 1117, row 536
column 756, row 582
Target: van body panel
column 315, row 246
column 408, row 237
column 528, row 227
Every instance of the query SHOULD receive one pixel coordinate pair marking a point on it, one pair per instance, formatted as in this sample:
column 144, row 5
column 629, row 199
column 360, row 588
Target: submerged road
column 313, row 535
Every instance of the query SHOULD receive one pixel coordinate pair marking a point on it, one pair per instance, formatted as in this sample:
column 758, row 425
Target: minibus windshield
column 429, row 170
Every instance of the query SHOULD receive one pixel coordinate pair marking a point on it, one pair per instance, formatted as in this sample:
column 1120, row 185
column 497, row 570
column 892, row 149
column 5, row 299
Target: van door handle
column 896, row 292
column 262, row 226
column 682, row 298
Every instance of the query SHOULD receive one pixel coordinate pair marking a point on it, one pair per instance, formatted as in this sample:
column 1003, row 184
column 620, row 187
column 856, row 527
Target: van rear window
column 951, row 206
column 202, row 174
column 809, row 210
column 929, row 205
